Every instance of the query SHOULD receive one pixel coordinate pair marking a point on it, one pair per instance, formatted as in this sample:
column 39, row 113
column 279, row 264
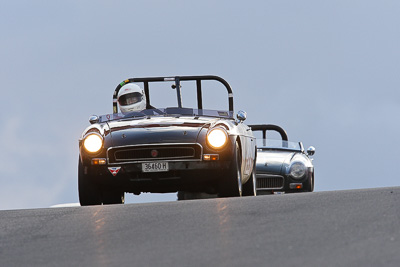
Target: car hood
column 156, row 130
column 273, row 162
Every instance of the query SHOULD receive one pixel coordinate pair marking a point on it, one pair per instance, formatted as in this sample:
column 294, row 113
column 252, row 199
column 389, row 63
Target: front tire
column 113, row 197
column 180, row 195
column 231, row 186
column 89, row 193
column 249, row 188
column 186, row 195
column 310, row 186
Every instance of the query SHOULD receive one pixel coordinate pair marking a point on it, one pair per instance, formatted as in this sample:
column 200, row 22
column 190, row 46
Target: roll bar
column 177, row 80
column 269, row 127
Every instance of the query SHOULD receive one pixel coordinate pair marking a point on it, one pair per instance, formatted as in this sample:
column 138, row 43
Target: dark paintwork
column 191, row 175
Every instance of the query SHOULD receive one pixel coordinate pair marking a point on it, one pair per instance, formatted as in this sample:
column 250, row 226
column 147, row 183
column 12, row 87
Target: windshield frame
column 285, row 145
column 167, row 112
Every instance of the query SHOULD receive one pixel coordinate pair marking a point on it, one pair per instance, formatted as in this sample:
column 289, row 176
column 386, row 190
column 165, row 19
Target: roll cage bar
column 270, row 127
column 177, row 80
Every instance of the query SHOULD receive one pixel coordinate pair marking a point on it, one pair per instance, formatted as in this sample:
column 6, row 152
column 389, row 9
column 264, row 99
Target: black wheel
column 231, row 186
column 181, row 195
column 310, row 186
column 89, row 193
column 113, row 197
column 249, row 188
column 186, row 195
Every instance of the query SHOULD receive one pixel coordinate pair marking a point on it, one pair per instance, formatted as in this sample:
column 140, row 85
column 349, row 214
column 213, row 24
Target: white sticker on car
column 158, row 166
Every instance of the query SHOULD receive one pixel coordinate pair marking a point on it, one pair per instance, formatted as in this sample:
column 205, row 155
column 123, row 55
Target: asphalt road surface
column 336, row 228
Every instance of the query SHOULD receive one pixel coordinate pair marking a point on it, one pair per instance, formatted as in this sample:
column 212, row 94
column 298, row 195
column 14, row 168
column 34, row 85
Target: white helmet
column 131, row 98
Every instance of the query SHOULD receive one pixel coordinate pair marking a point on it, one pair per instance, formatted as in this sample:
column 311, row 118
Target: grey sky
column 326, row 71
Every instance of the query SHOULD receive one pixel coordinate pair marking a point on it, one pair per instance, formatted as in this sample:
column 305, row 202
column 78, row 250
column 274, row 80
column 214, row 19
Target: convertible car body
column 169, row 149
column 282, row 166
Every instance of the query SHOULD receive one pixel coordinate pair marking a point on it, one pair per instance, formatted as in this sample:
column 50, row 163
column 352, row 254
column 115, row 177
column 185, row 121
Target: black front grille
column 269, row 181
column 154, row 152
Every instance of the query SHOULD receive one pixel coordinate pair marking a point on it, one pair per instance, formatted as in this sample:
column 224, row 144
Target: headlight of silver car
column 217, row 138
column 93, row 143
column 297, row 170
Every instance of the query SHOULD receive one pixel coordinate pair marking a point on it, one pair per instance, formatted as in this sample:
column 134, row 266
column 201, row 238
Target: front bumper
column 182, row 175
column 269, row 183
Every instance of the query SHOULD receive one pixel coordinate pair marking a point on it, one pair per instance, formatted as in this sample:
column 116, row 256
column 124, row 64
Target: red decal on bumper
column 114, row 170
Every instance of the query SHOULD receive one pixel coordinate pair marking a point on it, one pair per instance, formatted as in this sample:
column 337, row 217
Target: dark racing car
column 282, row 166
column 165, row 149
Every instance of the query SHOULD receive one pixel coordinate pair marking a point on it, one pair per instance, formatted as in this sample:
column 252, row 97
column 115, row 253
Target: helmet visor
column 129, row 99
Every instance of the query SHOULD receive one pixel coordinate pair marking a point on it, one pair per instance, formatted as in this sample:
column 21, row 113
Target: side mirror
column 241, row 115
column 311, row 151
column 94, row 119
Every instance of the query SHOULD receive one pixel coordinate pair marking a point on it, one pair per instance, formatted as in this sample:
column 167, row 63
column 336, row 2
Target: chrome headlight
column 297, row 170
column 217, row 138
column 93, row 143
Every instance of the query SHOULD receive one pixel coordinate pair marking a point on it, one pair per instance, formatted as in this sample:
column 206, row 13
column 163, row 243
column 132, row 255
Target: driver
column 131, row 98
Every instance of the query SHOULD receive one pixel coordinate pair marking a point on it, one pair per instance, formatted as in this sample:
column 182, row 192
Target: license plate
column 159, row 166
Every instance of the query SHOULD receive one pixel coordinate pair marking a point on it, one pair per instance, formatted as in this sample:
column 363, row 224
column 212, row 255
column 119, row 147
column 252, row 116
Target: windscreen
column 168, row 112
column 278, row 144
